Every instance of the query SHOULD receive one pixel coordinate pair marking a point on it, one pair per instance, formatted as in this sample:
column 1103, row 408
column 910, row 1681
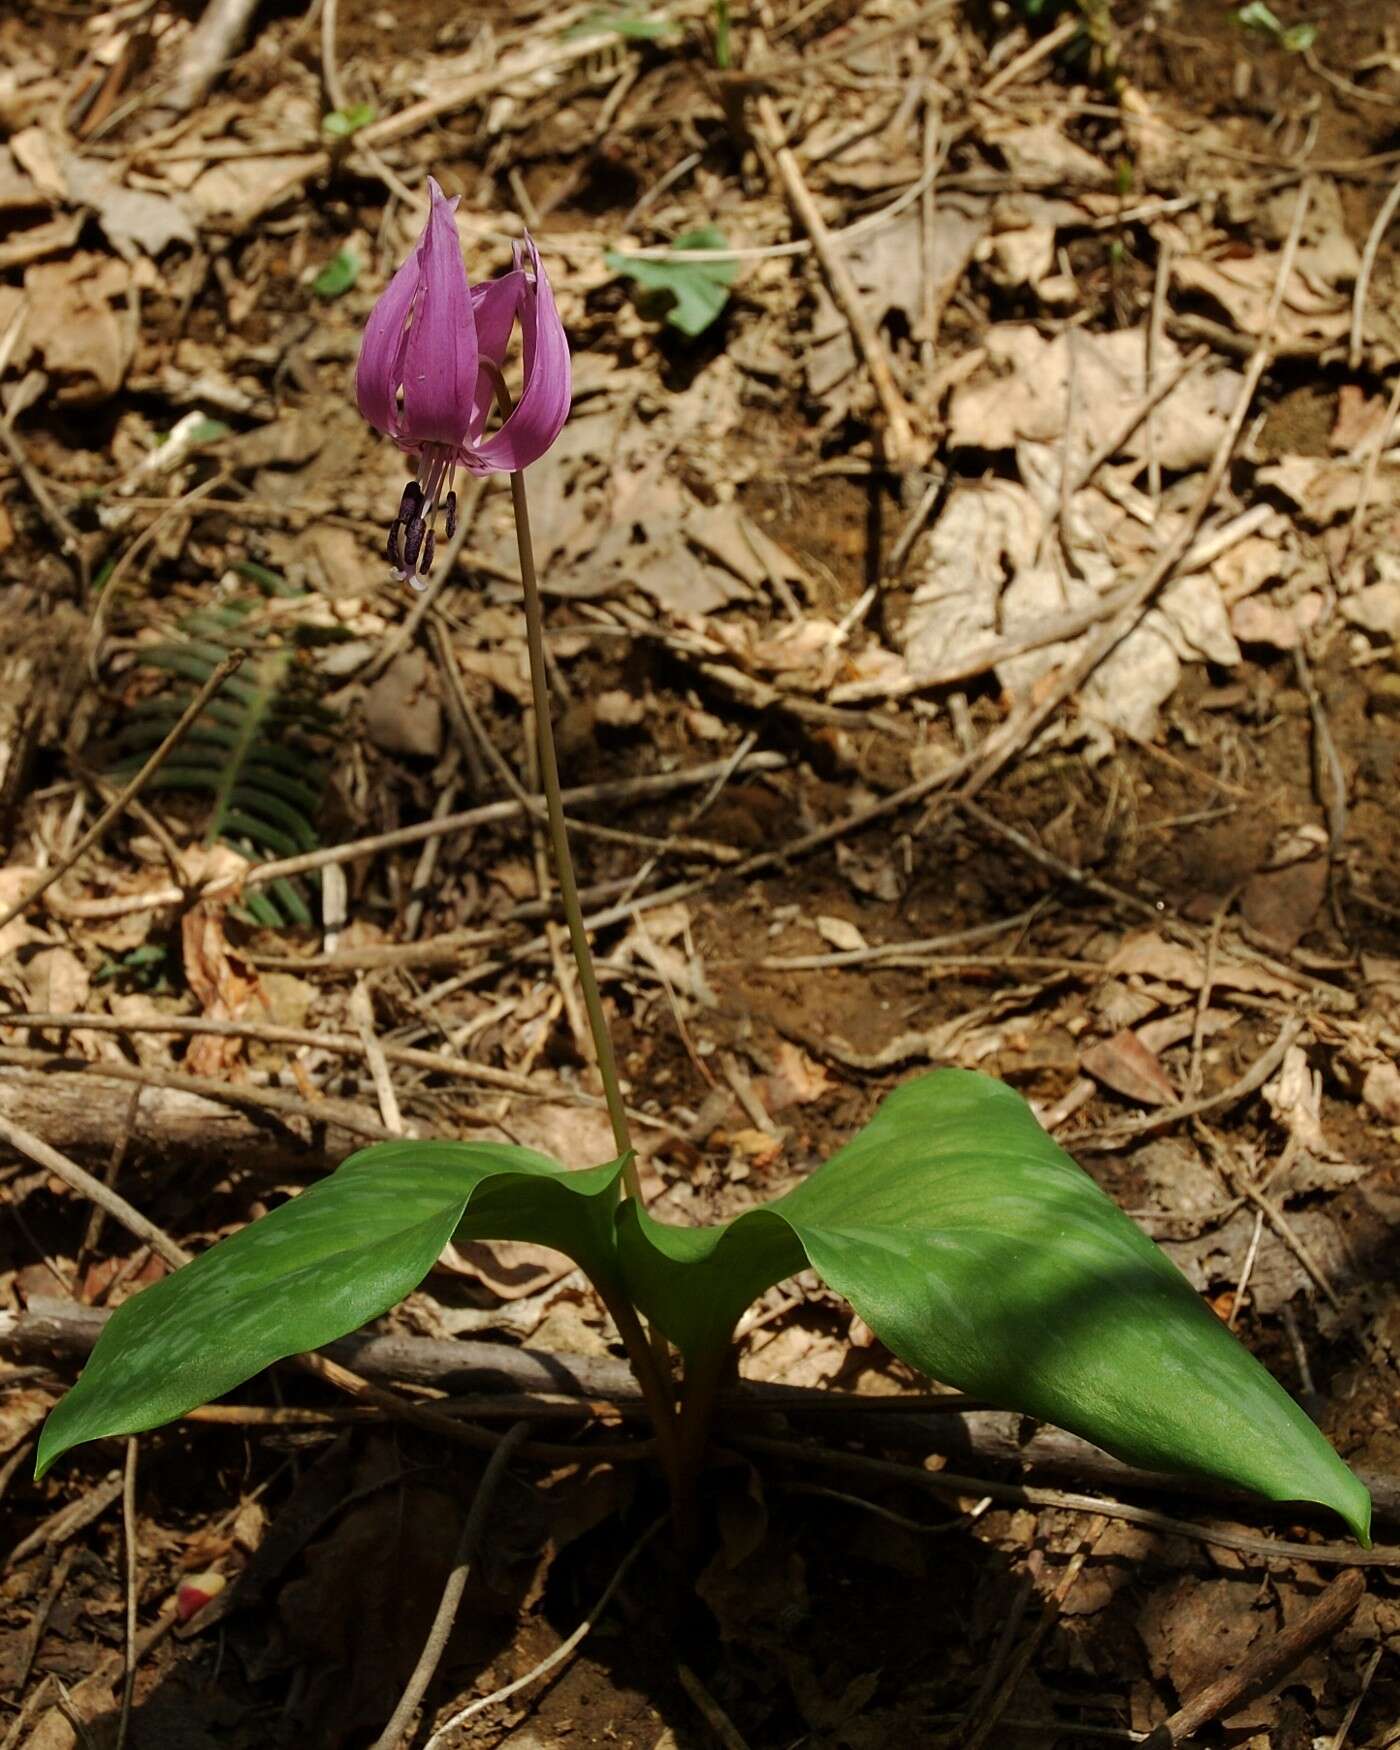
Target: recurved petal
column 440, row 359
column 496, row 305
column 548, row 388
column 377, row 375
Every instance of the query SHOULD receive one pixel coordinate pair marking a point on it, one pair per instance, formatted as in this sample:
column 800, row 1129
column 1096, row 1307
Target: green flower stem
column 649, row 1360
column 559, row 842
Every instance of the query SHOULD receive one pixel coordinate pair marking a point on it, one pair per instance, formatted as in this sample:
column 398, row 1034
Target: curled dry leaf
column 225, row 985
column 1126, row 1065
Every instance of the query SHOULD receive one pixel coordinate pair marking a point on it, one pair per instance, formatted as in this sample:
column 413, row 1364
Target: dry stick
column 129, row 1539
column 613, row 790
column 562, row 1652
column 1003, row 745
column 1368, row 474
column 901, row 449
column 57, row 1330
column 726, row 1733
column 210, row 46
column 1345, row 1555
column 330, row 70
column 1262, row 1669
column 37, row 1150
column 337, row 1113
column 337, row 1044
column 1367, row 268
column 68, row 538
column 68, row 1520
column 505, row 70
column 450, row 1602
column 120, row 801
column 102, row 606
column 1250, row 1082
column 39, row 1621
column 1349, row 1719
column 332, row 1372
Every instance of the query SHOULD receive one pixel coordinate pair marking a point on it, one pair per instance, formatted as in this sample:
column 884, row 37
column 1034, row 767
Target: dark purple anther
column 413, row 533
column 433, row 350
column 425, row 565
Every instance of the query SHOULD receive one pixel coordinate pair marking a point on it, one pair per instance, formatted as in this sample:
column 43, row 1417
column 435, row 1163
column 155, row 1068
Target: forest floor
column 952, row 694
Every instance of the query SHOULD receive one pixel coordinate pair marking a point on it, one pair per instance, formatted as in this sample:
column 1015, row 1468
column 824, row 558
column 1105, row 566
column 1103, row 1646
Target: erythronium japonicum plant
column 962, row 1234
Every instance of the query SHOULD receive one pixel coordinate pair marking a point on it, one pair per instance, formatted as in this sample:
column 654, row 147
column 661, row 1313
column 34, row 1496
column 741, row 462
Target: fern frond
column 255, row 750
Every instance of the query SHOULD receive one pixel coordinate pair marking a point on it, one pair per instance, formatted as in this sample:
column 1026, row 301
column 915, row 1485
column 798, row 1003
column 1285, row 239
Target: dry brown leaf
column 1152, row 956
column 73, row 327
column 1243, row 286
column 1282, row 904
column 1022, row 394
column 1126, row 1065
column 224, row 984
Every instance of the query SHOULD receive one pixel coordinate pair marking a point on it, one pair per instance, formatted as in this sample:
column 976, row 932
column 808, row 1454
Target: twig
column 450, row 1602
column 1056, row 865
column 1374, row 239
column 330, row 69
column 726, row 1732
column 612, row 790
column 210, row 47
column 1021, row 1495
column 900, row 446
column 188, row 718
column 337, row 1044
column 1263, row 1667
column 132, row 1569
column 563, row 1651
column 1250, row 1082
column 1349, row 1719
column 103, row 605
column 51, row 1330
column 987, row 1689
column 36, row 1149
column 1368, row 473
column 68, row 1520
column 1040, row 51
column 68, row 538
column 237, row 1094
column 39, row 1621
column 362, row 1014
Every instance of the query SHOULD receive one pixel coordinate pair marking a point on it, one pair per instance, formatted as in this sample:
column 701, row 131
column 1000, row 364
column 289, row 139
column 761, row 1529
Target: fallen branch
column 57, row 1330
column 1263, row 1668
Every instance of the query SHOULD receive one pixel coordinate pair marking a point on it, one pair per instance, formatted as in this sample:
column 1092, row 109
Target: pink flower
column 430, row 360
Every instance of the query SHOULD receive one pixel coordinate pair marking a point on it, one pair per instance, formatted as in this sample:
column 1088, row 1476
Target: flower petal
column 495, row 304
column 548, row 389
column 381, row 350
column 440, row 359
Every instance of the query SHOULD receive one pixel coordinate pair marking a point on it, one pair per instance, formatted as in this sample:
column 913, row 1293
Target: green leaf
column 640, row 27
column 321, row 1265
column 977, row 1250
column 341, row 123
column 338, row 275
column 693, row 293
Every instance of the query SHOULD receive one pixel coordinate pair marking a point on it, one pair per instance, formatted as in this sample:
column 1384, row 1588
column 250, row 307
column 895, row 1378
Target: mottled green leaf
column 977, row 1250
column 321, row 1265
